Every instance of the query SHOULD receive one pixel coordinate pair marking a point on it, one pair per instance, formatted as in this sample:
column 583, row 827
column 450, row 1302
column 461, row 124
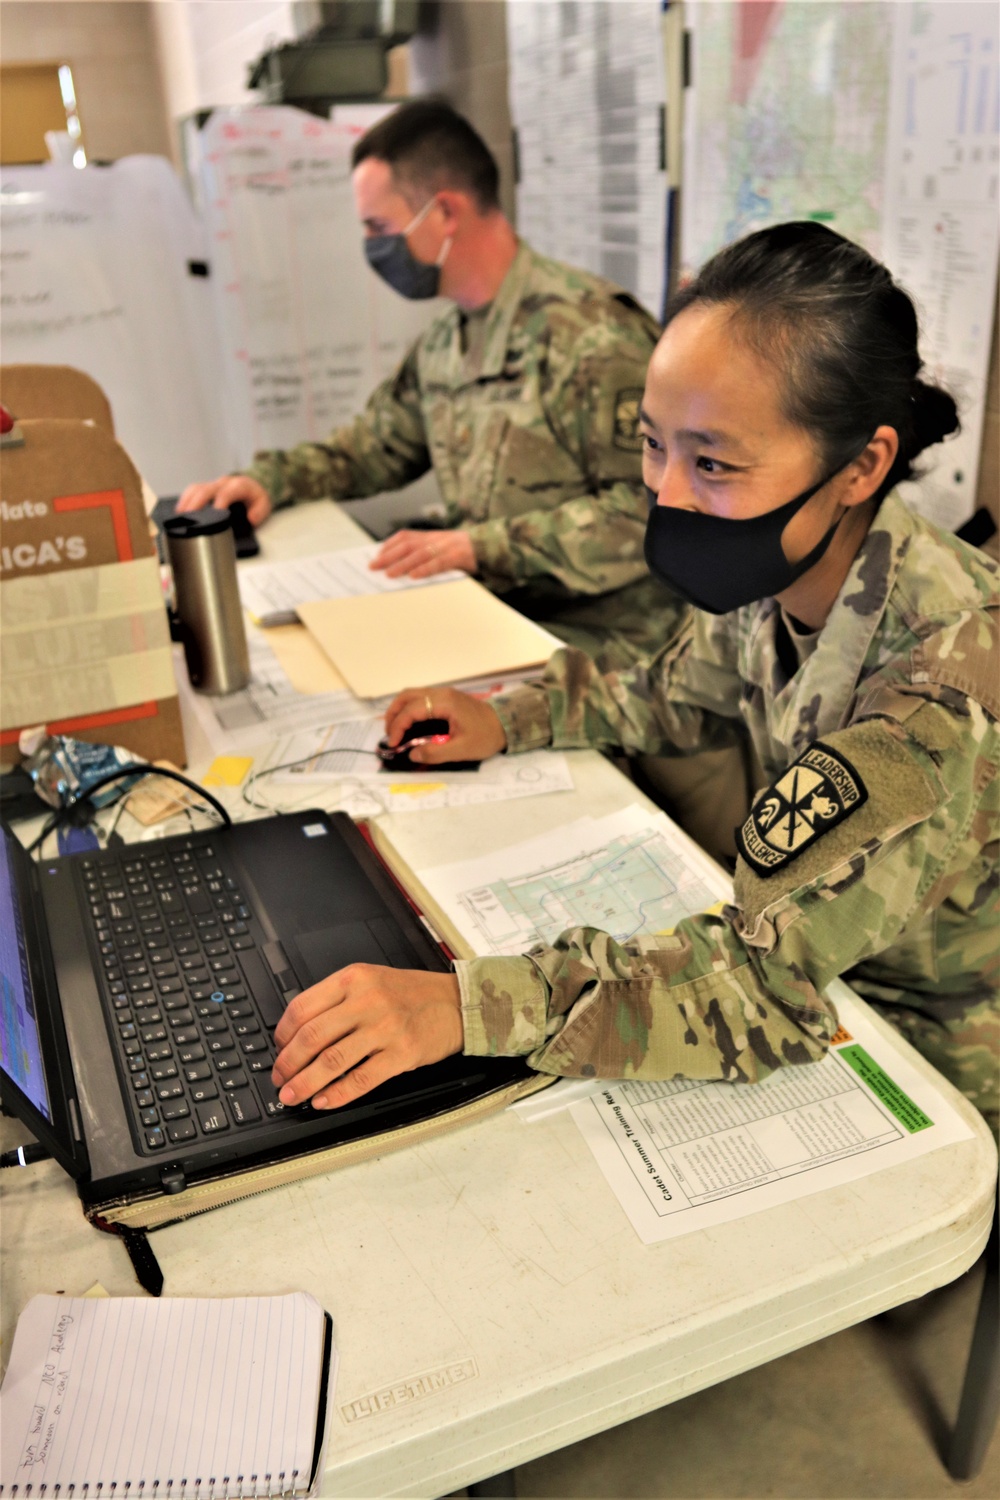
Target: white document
column 344, row 752
column 272, row 592
column 269, row 705
column 941, row 230
column 626, row 873
column 682, row 1155
column 587, row 91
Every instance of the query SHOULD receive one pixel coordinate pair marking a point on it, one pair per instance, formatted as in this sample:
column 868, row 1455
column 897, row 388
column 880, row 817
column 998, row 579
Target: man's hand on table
column 363, row 1025
column 223, row 491
column 474, row 730
column 421, row 554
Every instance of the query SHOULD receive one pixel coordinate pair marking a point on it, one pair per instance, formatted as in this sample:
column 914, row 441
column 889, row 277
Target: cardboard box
column 84, row 639
column 54, row 391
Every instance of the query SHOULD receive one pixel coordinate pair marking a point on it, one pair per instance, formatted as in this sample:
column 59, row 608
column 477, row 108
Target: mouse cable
column 137, row 768
column 289, row 765
column 23, row 1156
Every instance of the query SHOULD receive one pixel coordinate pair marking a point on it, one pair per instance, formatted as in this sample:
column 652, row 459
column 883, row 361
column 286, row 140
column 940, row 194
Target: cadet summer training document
column 682, row 1156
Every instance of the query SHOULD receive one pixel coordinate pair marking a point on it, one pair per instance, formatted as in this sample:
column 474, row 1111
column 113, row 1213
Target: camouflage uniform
column 872, row 854
column 532, row 432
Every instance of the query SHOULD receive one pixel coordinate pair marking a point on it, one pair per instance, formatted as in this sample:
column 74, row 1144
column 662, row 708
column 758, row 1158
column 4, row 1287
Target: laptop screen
column 20, row 1048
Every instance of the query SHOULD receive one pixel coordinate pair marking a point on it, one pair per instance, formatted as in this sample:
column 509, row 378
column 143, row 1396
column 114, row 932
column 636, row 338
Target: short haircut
column 431, row 148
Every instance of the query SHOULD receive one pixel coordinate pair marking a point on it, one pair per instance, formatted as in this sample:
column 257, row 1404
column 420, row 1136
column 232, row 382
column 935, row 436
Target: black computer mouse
column 398, row 758
column 244, row 535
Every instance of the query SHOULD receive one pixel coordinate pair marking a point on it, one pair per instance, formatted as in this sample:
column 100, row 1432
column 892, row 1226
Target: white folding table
column 491, row 1300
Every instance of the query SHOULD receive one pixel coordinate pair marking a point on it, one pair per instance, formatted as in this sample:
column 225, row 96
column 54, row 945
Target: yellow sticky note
column 416, row 789
column 227, row 770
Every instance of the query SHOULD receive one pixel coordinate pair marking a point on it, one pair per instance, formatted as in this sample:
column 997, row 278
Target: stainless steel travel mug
column 203, row 558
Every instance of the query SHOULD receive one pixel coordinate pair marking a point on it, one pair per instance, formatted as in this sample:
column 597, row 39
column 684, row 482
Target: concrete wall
column 111, row 47
column 206, row 46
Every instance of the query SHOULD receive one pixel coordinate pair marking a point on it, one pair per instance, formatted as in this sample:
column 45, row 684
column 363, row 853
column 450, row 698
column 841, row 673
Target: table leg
column 497, row 1487
column 980, row 1404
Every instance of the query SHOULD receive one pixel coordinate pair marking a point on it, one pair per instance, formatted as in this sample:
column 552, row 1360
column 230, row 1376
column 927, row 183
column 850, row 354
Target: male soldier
column 523, row 395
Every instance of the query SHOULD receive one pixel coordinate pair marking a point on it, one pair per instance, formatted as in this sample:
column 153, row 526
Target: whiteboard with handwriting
column 307, row 329
column 95, row 272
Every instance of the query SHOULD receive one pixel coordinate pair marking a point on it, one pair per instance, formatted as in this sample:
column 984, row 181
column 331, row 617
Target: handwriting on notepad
column 128, row 1393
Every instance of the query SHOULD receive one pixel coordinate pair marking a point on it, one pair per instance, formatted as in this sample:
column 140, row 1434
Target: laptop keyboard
column 191, row 1008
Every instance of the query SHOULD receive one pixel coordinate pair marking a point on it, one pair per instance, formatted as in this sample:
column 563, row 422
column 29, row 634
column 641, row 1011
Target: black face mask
column 390, row 257
column 720, row 565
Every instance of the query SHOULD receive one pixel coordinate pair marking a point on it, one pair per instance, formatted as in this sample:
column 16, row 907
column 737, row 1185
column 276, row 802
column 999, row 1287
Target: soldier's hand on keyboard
column 360, row 1027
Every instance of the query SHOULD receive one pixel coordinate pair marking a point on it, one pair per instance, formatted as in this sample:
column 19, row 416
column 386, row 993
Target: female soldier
column 853, row 642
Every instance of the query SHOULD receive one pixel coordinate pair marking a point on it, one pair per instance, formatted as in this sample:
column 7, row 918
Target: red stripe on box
column 115, row 501
column 89, row 721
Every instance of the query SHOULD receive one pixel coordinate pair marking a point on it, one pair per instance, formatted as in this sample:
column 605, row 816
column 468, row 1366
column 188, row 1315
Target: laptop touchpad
column 334, row 948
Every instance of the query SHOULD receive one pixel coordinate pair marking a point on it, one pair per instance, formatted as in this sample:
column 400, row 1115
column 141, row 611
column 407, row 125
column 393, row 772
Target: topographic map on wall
column 881, row 120
column 787, row 120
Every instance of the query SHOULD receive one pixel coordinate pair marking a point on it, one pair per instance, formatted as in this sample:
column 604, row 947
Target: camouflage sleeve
column 686, row 699
column 593, row 542
column 590, row 545
column 735, row 995
column 382, row 449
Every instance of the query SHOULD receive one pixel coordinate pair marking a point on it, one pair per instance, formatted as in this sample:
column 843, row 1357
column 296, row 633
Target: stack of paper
column 346, row 752
column 382, row 643
column 272, row 592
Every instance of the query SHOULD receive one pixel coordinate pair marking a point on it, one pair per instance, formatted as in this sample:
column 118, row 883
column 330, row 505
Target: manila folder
column 445, row 632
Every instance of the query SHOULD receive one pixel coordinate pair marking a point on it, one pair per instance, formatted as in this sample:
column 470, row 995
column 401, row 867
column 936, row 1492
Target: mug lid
column 194, row 523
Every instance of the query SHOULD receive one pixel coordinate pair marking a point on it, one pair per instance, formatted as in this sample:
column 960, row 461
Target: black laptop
column 141, row 987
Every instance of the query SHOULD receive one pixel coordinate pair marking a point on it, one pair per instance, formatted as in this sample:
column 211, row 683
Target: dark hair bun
column 935, row 415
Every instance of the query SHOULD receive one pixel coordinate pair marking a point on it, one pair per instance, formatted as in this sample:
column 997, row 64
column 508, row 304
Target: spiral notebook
column 192, row 1396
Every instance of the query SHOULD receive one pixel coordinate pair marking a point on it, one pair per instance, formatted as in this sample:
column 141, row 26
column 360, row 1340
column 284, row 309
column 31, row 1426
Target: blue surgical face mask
column 391, row 258
column 720, row 565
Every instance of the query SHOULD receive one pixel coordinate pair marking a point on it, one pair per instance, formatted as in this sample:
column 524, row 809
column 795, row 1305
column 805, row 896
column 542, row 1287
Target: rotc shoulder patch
column 626, row 419
column 819, row 790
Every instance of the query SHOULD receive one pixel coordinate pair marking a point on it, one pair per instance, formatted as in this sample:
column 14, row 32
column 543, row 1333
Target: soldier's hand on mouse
column 421, row 554
column 223, row 491
column 361, row 1026
column 474, row 730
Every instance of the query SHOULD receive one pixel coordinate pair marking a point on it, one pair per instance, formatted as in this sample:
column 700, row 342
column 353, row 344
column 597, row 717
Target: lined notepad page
column 210, row 1395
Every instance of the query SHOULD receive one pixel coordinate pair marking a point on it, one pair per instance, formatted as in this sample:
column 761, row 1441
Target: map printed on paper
column 627, row 873
column 683, row 1155
column 881, row 121
column 787, row 119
